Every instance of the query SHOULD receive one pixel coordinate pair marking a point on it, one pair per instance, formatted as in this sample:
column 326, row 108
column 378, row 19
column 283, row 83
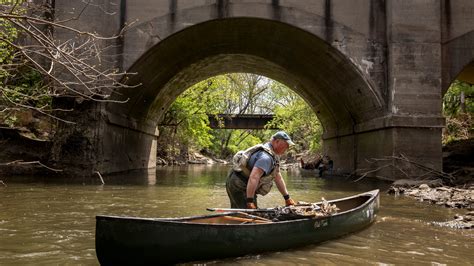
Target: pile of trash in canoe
column 284, row 213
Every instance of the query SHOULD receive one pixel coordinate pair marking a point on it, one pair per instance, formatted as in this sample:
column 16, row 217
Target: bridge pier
column 379, row 152
column 100, row 141
column 127, row 147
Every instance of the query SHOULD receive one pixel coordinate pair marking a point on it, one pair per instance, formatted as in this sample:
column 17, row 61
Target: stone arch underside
column 458, row 57
column 330, row 83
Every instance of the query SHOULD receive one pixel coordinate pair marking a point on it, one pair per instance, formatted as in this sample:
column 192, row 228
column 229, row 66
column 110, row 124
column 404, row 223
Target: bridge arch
column 458, row 55
column 335, row 88
column 331, row 84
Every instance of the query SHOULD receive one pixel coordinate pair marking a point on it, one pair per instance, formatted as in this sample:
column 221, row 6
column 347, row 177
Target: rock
column 221, row 161
column 459, row 222
column 417, row 183
column 201, row 161
column 449, row 197
column 424, row 187
column 455, row 224
column 161, row 161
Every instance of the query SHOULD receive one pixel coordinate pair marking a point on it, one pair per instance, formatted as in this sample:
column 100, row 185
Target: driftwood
column 21, row 162
column 100, row 177
column 395, row 161
column 301, row 210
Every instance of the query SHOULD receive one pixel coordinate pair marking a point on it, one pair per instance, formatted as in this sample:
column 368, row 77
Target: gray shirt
column 262, row 160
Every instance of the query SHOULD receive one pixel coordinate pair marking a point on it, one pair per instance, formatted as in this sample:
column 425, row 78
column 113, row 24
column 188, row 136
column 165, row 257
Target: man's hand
column 289, row 201
column 251, row 205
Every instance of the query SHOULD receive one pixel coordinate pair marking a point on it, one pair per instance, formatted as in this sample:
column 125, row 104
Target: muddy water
column 53, row 223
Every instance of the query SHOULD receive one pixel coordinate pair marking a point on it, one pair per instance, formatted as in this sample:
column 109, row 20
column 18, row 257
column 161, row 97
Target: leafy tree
column 294, row 115
column 458, row 108
column 245, row 93
column 229, row 141
column 186, row 123
column 237, row 93
column 458, row 99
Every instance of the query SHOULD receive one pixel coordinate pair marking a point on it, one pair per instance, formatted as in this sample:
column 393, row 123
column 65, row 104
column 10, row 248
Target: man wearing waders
column 255, row 170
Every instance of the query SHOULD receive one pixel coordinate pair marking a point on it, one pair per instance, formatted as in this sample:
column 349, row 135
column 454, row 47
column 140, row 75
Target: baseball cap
column 282, row 135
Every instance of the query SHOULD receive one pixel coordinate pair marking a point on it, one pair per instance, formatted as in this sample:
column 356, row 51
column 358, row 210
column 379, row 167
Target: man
column 255, row 170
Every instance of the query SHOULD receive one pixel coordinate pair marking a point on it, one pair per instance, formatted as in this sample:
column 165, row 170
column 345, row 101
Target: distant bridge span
column 240, row 121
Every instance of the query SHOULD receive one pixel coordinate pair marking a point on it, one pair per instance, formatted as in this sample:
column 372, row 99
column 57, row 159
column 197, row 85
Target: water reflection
column 50, row 221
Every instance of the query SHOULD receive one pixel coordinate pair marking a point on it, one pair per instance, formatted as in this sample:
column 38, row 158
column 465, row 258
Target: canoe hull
column 164, row 241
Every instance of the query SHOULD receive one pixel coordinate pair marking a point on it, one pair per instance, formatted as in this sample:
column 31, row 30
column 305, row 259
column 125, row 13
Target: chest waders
column 241, row 159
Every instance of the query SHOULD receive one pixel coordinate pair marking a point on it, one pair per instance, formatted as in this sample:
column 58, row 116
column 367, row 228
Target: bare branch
column 36, row 109
column 12, row 18
column 21, row 162
column 72, row 68
column 395, row 161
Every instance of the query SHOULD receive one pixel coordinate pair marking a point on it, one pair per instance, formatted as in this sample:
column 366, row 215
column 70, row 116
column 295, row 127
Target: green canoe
column 150, row 241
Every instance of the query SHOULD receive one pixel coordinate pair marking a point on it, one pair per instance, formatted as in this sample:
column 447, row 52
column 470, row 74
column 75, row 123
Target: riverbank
column 458, row 164
column 191, row 158
column 21, row 154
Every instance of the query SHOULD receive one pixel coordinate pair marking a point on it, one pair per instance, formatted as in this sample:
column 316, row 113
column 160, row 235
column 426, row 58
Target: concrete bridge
column 374, row 71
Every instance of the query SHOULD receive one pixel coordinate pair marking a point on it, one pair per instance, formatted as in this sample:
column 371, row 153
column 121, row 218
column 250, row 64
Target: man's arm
column 254, row 179
column 280, row 183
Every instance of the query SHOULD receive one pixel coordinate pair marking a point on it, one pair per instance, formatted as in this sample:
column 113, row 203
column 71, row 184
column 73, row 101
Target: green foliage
column 459, row 115
column 21, row 86
column 229, row 141
column 237, row 93
column 458, row 128
column 297, row 119
column 238, row 143
column 8, row 34
column 452, row 99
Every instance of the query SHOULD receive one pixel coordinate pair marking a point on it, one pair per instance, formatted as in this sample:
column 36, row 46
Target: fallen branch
column 21, row 162
column 371, row 171
column 100, row 176
column 395, row 161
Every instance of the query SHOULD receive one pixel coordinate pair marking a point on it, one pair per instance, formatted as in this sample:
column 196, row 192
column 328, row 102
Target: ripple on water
column 38, row 254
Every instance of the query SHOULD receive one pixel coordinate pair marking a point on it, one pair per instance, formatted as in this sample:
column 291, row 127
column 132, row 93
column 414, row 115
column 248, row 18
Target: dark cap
column 282, row 135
